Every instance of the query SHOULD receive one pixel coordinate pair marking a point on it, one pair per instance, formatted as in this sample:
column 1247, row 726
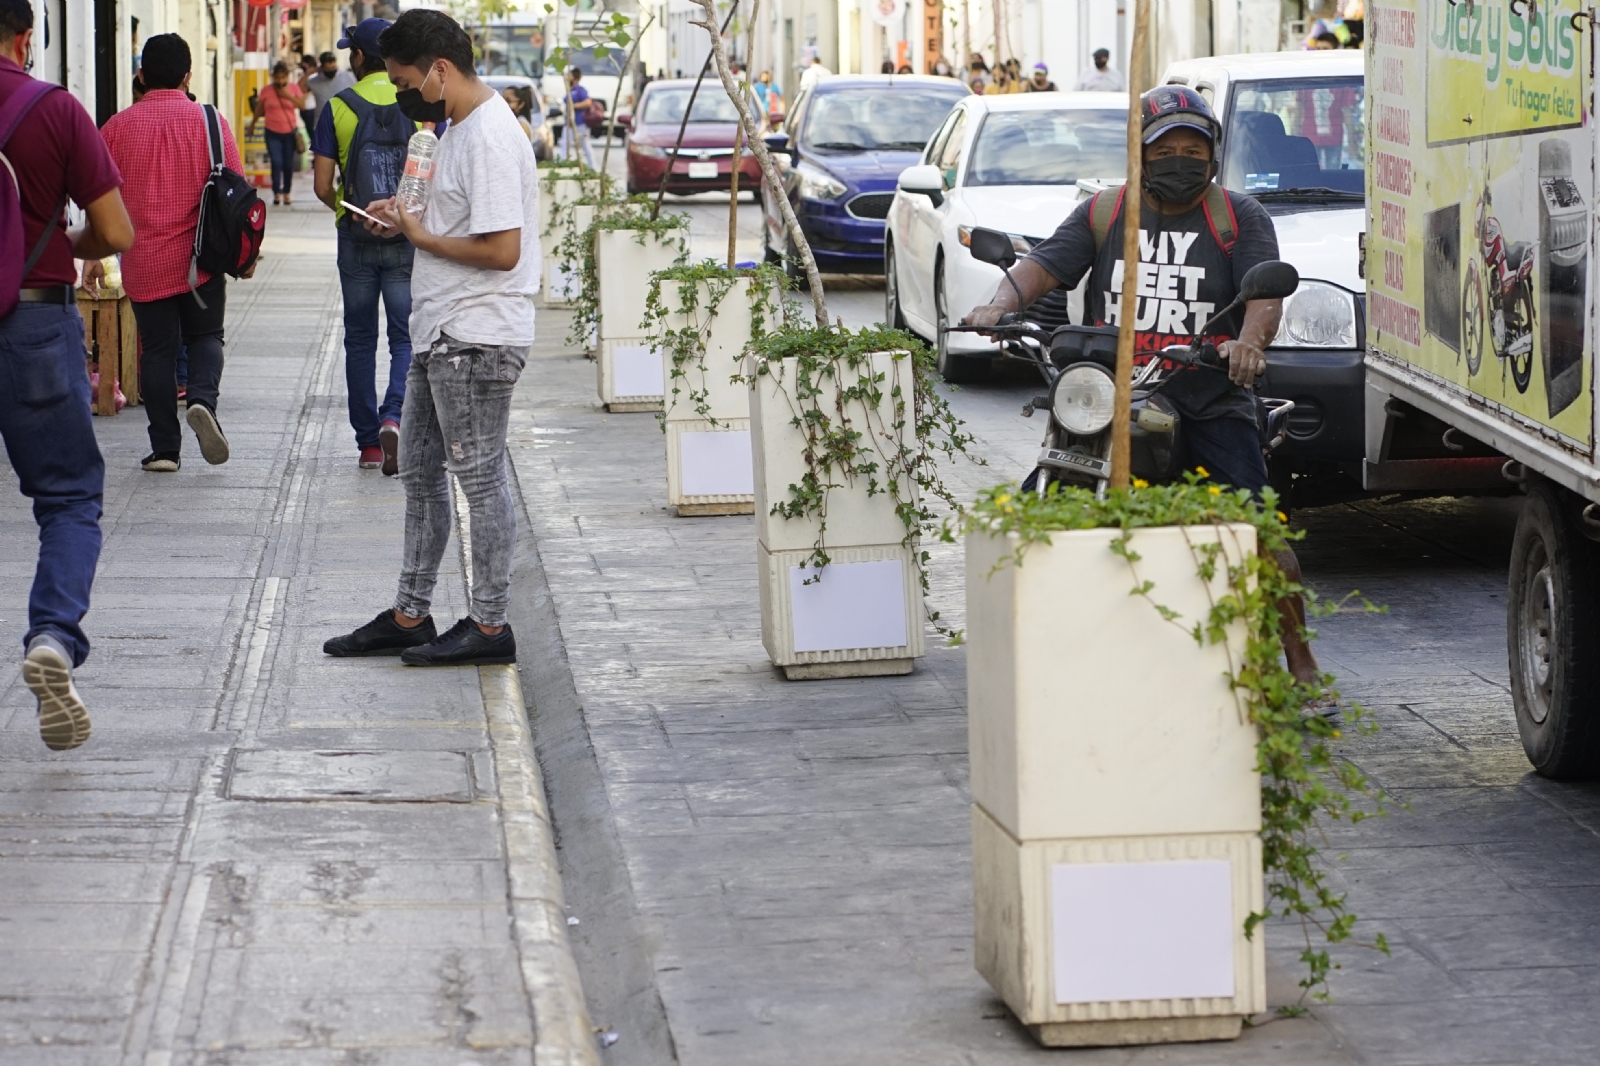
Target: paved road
column 789, row 878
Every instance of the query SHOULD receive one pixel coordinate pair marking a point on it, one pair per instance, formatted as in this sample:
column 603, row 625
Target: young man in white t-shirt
column 472, row 287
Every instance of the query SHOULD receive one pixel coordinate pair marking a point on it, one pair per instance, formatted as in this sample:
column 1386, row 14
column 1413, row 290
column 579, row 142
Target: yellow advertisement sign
column 1501, row 68
column 1480, row 193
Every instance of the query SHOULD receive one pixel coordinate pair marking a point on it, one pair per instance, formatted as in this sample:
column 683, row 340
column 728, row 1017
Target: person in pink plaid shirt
column 160, row 145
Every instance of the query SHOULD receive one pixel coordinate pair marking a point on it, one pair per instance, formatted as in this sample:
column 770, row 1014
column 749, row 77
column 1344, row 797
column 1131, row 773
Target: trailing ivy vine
column 1304, row 784
column 862, row 430
column 576, row 251
column 700, row 290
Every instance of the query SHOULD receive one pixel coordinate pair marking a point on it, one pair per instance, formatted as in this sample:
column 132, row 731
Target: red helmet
column 1167, row 107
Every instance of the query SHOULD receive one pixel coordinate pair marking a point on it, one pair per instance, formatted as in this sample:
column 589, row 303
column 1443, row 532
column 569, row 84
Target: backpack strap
column 16, row 108
column 1103, row 212
column 214, row 139
column 358, row 104
column 218, row 164
column 1220, row 217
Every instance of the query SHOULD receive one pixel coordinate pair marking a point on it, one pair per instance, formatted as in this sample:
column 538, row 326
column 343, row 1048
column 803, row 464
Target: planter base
column 1142, row 1031
column 699, row 510
column 858, row 668
column 623, row 407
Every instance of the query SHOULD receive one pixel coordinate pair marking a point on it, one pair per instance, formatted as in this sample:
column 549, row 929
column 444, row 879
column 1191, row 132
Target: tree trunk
column 1121, row 446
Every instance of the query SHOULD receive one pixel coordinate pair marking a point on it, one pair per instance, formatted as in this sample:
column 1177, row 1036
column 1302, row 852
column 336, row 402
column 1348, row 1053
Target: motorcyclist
column 1197, row 240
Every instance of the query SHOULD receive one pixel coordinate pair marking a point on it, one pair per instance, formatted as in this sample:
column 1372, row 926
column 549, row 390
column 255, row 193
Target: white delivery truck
column 1481, row 321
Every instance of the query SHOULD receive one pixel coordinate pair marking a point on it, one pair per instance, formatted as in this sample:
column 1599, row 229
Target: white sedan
column 1010, row 163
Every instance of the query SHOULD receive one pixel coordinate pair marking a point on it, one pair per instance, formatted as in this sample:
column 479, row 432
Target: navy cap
column 364, row 35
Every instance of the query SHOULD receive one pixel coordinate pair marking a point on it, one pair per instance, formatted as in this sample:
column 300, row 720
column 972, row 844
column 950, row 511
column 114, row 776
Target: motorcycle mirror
column 993, row 247
column 1272, row 280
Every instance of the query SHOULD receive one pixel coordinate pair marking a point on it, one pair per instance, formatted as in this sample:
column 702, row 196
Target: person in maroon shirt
column 44, row 390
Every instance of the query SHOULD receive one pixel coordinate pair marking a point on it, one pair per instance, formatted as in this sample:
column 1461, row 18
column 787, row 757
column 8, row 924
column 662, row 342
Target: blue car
column 845, row 141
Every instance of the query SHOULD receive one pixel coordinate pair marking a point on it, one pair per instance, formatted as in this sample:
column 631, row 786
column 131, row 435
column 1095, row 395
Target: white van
column 1293, row 136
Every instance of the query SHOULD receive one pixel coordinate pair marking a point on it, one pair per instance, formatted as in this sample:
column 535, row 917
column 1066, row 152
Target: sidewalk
column 264, row 855
column 768, row 871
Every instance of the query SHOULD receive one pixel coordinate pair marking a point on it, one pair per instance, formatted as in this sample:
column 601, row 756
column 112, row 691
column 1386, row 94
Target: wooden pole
column 738, row 143
column 1131, row 202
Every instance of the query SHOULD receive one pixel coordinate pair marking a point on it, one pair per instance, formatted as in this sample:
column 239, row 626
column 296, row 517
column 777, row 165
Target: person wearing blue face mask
column 475, row 272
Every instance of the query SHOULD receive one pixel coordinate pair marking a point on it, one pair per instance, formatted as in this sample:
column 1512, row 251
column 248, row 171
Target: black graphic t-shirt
column 1184, row 277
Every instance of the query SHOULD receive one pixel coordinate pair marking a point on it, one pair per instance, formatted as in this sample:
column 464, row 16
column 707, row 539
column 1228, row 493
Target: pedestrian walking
column 278, row 105
column 771, row 98
column 48, row 142
column 1104, row 78
column 363, row 135
column 327, row 82
column 163, row 146
column 477, row 269
column 1040, row 82
column 579, row 102
column 308, row 68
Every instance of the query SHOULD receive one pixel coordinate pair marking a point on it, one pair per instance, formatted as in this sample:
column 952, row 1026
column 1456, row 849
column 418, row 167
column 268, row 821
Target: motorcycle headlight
column 815, row 185
column 1083, row 399
column 649, row 151
column 1318, row 315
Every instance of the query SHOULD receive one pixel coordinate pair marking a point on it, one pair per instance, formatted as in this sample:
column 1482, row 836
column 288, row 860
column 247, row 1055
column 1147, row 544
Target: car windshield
column 1049, row 147
column 509, row 50
column 1296, row 138
column 591, row 62
column 666, row 106
column 866, row 119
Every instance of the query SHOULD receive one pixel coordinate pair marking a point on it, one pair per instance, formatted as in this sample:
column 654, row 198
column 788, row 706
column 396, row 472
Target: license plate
column 1061, row 460
column 702, row 170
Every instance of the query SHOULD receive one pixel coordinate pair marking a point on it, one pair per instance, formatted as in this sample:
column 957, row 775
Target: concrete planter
column 630, row 375
column 1116, row 805
column 707, row 412
column 862, row 615
column 558, row 187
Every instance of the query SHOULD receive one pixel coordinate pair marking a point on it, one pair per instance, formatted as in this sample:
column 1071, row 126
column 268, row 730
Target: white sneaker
column 63, row 719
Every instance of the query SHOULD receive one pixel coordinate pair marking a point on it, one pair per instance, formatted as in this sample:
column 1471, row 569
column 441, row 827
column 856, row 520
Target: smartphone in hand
column 348, row 206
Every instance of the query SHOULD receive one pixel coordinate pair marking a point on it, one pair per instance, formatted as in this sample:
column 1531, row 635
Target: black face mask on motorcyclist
column 1177, row 179
column 415, row 108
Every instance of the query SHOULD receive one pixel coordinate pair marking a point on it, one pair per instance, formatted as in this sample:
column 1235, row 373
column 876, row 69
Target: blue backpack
column 375, row 160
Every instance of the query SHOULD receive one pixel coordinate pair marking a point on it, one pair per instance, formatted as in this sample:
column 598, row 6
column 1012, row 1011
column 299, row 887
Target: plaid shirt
column 159, row 145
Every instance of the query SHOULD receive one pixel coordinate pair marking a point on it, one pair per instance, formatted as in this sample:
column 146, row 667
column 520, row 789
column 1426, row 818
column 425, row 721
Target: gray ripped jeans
column 457, row 406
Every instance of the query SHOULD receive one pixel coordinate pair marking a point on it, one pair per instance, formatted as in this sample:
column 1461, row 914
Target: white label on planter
column 849, row 605
column 1142, row 930
column 635, row 370
column 716, row 464
column 567, row 284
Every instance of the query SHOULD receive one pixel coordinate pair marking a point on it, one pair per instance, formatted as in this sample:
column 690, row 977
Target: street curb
column 563, row 1033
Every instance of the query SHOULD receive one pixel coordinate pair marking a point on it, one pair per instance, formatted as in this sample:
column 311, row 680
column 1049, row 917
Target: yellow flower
column 1002, row 499
column 1202, row 471
column 1283, row 517
column 1214, row 490
column 1140, row 483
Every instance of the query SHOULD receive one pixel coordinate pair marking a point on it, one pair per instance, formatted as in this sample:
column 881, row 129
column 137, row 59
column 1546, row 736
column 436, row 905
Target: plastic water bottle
column 412, row 194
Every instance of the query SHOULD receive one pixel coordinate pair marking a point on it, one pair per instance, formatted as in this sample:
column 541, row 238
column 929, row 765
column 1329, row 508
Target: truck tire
column 1552, row 626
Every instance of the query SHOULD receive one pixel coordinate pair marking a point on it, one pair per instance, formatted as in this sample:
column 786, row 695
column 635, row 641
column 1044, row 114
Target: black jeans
column 166, row 327
column 1228, row 449
column 280, row 150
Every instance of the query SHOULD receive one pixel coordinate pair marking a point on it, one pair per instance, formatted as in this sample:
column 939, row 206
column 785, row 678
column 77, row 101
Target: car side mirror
column 625, row 121
column 992, row 247
column 1272, row 280
column 922, row 180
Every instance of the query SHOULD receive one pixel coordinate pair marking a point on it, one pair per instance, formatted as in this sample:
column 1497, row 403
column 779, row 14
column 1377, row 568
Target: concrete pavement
column 264, row 855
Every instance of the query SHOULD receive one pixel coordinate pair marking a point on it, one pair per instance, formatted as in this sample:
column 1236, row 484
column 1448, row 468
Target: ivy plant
column 863, row 431
column 1304, row 785
column 576, row 252
column 681, row 311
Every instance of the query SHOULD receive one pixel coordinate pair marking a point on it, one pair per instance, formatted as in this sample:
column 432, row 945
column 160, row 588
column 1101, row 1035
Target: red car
column 705, row 159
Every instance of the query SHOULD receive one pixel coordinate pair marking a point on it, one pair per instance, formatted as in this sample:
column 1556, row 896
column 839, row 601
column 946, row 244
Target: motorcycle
column 1077, row 364
column 1507, row 281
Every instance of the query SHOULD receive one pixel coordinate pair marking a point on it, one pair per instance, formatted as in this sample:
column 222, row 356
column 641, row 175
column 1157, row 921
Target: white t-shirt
column 484, row 181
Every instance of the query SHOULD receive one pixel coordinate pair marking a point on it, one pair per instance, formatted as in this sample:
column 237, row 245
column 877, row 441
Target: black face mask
column 1177, row 179
column 415, row 108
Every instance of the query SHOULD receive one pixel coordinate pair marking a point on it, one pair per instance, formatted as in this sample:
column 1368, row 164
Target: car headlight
column 1318, row 315
column 1020, row 244
column 649, row 151
column 815, row 185
column 1083, row 399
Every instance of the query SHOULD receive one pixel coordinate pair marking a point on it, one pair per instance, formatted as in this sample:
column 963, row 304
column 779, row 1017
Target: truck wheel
column 1552, row 624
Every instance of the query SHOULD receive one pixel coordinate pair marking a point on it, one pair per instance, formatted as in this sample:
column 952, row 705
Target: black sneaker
column 464, row 644
column 381, row 636
column 213, row 445
column 161, row 462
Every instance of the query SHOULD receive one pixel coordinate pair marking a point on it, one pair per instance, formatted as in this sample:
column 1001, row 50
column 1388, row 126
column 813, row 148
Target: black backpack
column 233, row 219
column 375, row 159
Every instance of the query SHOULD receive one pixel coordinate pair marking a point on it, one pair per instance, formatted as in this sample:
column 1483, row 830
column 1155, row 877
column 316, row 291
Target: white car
column 1010, row 163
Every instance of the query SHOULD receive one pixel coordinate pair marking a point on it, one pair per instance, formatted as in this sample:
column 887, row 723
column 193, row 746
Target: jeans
column 1228, row 448
column 583, row 142
column 280, row 149
column 49, row 437
column 458, row 403
column 367, row 271
column 166, row 327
